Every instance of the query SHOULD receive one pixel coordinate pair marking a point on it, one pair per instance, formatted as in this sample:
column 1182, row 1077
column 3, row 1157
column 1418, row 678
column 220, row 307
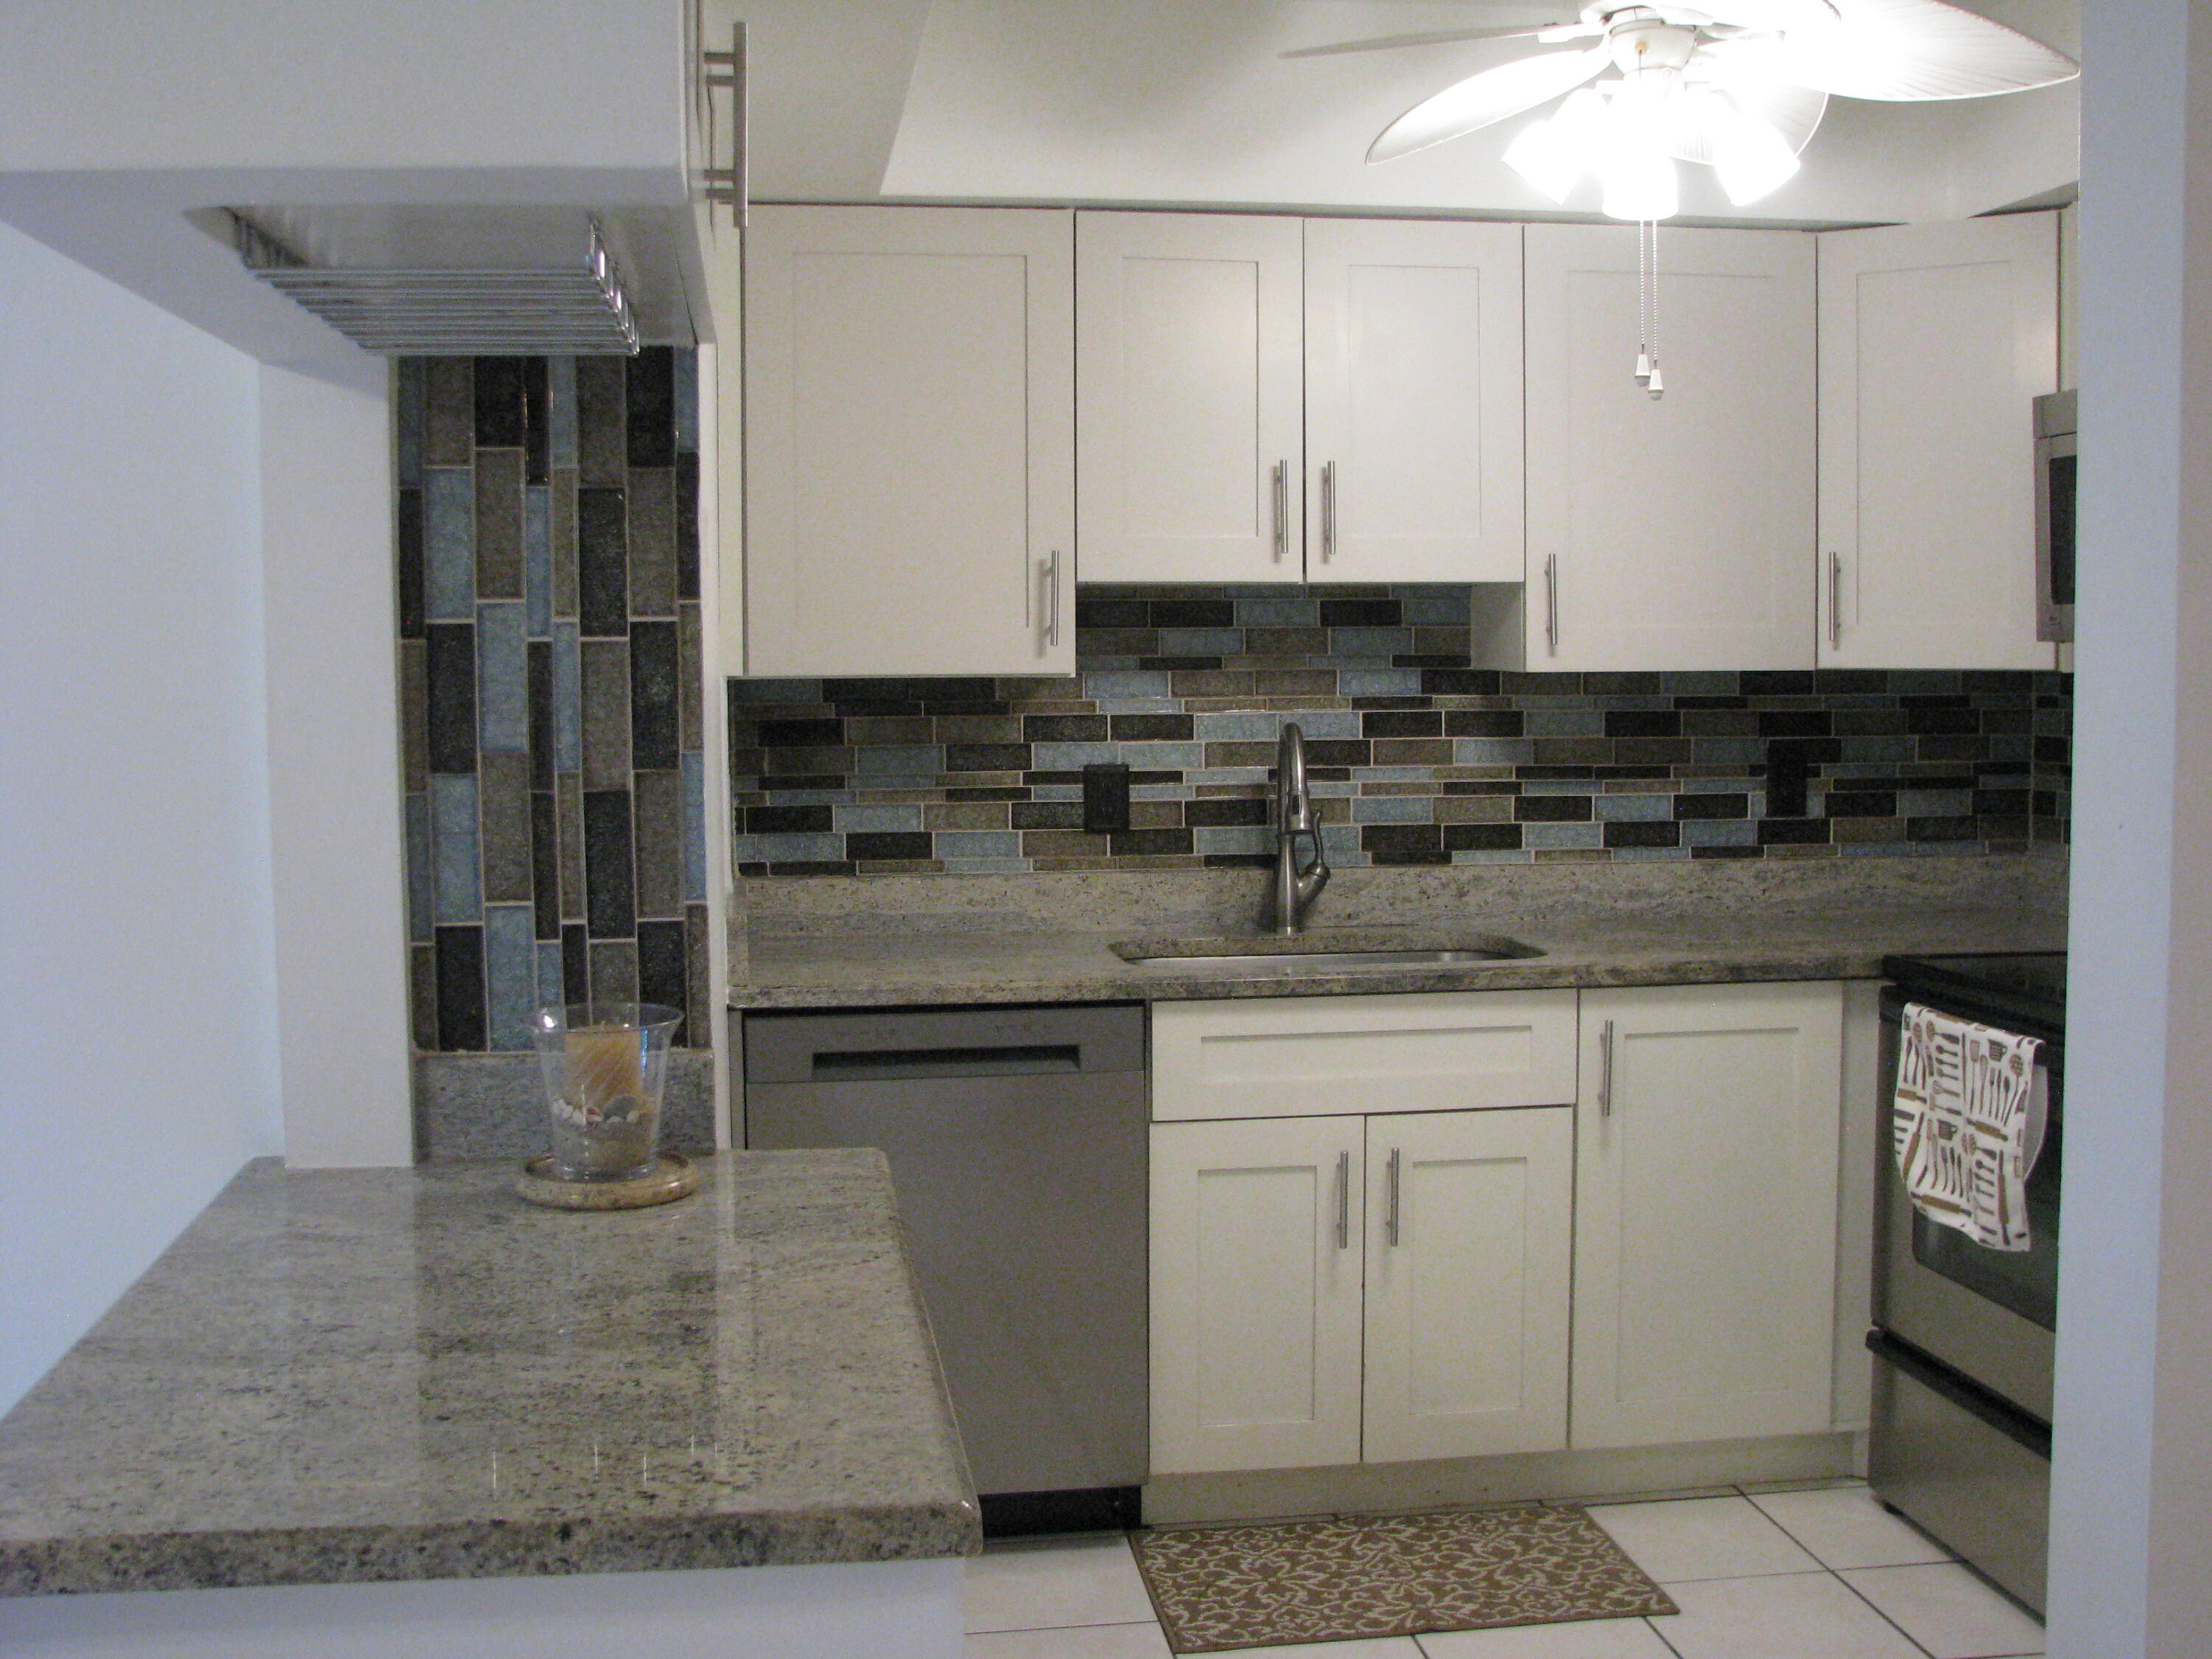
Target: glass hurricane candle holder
column 603, row 1065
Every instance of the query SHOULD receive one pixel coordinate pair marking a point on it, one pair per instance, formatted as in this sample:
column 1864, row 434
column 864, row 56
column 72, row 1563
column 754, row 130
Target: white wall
column 339, row 869
column 138, row 1022
column 2131, row 1537
column 380, row 85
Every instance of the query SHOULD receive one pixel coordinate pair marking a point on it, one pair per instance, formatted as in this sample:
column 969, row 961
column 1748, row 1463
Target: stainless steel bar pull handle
column 728, row 187
column 1551, row 601
column 1344, row 1200
column 1282, row 503
column 1048, row 598
column 1390, row 1220
column 1328, row 511
column 1835, row 599
column 1605, row 1069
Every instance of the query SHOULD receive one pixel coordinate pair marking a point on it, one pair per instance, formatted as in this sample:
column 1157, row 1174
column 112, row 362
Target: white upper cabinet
column 1268, row 400
column 910, row 443
column 1934, row 340
column 1190, row 424
column 1412, row 436
column 1674, row 533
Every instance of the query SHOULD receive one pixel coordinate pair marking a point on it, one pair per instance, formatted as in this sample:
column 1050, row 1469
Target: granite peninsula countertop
column 352, row 1375
column 1614, row 929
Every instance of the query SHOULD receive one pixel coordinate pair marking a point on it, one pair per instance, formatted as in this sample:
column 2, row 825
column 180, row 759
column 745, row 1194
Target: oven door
column 1988, row 1314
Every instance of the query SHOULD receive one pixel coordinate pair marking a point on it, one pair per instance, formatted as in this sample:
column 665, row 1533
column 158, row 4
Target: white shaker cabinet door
column 1188, row 423
column 1255, row 1294
column 1412, row 402
column 1934, row 339
column 1470, row 1222
column 1676, row 532
column 909, row 454
column 1706, row 1171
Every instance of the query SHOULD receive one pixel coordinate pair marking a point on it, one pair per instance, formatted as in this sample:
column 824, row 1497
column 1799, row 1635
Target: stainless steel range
column 1964, row 1335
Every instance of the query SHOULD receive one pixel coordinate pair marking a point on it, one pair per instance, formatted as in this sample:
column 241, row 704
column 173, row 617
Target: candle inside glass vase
column 603, row 1065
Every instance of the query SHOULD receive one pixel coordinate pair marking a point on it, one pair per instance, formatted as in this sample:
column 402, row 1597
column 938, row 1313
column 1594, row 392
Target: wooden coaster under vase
column 672, row 1176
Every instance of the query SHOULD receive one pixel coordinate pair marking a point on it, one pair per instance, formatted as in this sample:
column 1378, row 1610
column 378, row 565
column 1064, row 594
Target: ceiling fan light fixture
column 1633, row 163
column 1553, row 154
column 1753, row 160
column 1538, row 156
column 1639, row 185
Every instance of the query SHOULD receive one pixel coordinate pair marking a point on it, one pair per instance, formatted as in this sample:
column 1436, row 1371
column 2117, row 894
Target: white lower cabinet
column 1469, row 1255
column 1332, row 1286
column 1706, row 1212
column 1255, row 1302
column 1335, row 1290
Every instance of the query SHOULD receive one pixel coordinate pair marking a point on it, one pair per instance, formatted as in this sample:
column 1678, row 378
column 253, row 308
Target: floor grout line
column 1838, row 1576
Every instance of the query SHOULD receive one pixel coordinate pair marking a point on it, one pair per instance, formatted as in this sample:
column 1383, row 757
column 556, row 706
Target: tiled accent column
column 549, row 600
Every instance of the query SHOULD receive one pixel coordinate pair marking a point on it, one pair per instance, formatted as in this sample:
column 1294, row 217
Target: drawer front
column 1311, row 1056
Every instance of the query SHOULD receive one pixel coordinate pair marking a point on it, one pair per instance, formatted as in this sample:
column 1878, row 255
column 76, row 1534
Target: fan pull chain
column 1647, row 308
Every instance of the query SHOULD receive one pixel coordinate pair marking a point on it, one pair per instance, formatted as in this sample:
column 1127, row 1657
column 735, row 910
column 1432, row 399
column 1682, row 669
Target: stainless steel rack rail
column 580, row 310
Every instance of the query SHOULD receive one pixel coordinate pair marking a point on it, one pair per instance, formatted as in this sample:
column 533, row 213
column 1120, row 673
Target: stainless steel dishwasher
column 1017, row 1141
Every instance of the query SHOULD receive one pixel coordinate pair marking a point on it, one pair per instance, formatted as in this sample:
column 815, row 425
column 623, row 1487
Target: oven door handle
column 1962, row 1391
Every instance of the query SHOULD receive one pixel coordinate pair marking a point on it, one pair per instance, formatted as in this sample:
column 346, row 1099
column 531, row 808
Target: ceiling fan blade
column 1770, row 16
column 1491, row 96
column 1916, row 50
column 1433, row 38
column 1745, row 75
column 1794, row 112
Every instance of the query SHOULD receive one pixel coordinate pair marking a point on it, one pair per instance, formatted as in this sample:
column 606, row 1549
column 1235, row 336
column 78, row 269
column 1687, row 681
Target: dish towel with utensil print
column 1966, row 1125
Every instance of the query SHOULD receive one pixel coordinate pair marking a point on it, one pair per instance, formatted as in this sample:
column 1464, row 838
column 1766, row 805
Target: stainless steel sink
column 1311, row 952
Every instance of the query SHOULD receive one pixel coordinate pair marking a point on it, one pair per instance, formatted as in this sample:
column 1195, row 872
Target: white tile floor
column 1818, row 1573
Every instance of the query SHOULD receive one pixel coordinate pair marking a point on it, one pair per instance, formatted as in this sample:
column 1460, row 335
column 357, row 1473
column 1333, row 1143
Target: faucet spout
column 1295, row 886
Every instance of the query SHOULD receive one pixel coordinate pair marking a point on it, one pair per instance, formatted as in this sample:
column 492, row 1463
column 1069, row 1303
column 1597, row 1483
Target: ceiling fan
column 1738, row 85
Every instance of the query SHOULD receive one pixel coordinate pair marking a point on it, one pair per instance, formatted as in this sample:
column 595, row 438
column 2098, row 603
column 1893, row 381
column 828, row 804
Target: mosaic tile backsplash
column 1416, row 757
column 549, row 682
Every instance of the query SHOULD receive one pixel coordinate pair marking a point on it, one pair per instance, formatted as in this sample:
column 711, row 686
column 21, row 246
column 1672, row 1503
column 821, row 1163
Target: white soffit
column 1169, row 102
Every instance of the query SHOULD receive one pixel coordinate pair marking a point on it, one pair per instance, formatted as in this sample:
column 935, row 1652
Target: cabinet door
column 1412, row 402
column 1706, row 1212
column 1934, row 339
column 1674, row 533
column 1469, row 1246
column 1311, row 1056
column 1255, row 1294
column 1189, row 421
column 909, row 404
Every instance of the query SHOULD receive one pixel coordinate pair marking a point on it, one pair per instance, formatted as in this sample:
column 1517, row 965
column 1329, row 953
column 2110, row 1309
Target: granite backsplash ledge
column 1417, row 757
column 1489, row 897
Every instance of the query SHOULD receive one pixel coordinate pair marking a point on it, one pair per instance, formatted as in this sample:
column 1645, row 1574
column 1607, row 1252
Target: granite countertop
column 1609, row 930
column 353, row 1374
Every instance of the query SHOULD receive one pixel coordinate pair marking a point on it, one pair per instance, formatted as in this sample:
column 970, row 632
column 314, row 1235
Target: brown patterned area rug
column 1217, row 1588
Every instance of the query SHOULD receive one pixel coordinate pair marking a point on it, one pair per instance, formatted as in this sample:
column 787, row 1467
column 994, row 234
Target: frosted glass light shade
column 1639, row 184
column 1553, row 156
column 1537, row 155
column 1752, row 158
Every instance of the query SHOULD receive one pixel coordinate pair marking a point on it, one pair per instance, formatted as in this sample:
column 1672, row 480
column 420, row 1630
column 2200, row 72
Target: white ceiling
column 1189, row 102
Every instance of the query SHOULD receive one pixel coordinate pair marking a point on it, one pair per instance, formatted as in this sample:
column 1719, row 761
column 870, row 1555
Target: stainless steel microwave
column 2055, row 451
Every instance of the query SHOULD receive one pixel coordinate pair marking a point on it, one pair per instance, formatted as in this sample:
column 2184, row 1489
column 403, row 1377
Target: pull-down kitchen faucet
column 1295, row 889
